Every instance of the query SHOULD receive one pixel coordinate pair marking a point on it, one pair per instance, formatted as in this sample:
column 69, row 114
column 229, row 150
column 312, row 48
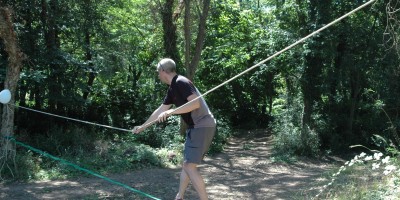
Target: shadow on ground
column 243, row 171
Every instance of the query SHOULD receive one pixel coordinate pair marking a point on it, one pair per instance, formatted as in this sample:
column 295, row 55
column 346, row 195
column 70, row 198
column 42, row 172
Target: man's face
column 162, row 75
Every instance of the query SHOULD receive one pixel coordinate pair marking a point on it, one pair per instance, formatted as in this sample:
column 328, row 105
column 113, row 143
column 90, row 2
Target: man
column 196, row 114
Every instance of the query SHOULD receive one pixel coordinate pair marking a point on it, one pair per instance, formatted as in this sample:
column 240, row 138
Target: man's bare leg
column 184, row 182
column 196, row 179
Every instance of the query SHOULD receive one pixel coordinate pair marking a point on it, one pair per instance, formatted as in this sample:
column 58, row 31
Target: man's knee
column 189, row 166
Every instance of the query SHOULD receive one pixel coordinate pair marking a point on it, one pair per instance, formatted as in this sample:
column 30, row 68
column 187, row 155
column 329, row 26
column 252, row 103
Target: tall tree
column 88, row 46
column 201, row 34
column 15, row 59
column 319, row 14
column 169, row 17
column 170, row 37
column 169, row 28
column 49, row 15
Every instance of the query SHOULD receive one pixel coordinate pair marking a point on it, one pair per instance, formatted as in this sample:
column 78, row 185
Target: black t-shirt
column 178, row 92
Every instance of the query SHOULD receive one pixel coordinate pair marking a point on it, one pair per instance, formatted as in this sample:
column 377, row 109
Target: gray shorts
column 198, row 140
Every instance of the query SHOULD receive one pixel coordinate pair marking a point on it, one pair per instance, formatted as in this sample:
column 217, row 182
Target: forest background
column 95, row 61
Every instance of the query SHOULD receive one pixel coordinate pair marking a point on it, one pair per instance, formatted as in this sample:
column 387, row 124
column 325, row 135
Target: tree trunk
column 169, row 28
column 15, row 58
column 188, row 37
column 355, row 83
column 88, row 49
column 320, row 14
column 48, row 17
column 170, row 38
column 89, row 59
column 201, row 34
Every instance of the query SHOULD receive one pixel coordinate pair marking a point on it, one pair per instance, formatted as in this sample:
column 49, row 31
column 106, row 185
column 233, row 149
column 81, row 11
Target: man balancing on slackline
column 196, row 114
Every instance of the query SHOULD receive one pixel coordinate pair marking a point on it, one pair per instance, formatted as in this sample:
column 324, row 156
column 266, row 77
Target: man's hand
column 137, row 129
column 164, row 115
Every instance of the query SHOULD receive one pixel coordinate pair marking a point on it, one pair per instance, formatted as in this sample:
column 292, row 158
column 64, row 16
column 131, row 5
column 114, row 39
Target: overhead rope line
column 68, row 118
column 269, row 58
column 222, row 84
column 200, row 96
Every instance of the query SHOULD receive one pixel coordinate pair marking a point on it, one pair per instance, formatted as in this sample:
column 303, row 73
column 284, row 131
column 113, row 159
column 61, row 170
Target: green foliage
column 142, row 155
column 26, row 167
column 235, row 41
column 170, row 157
column 119, row 154
column 222, row 134
column 290, row 138
column 288, row 141
column 103, row 153
column 327, row 79
column 94, row 60
column 366, row 176
column 72, row 140
column 168, row 136
column 164, row 135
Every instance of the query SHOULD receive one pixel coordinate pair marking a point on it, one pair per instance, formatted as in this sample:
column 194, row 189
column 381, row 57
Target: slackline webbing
column 80, row 168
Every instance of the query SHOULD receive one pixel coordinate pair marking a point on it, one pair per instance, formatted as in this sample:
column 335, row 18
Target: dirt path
column 243, row 171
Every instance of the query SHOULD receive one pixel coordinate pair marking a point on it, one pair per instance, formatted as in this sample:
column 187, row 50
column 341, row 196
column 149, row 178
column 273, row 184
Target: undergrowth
column 104, row 153
column 373, row 175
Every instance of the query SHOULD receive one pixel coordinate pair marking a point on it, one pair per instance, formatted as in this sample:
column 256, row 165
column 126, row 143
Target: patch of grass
column 364, row 177
column 170, row 157
column 222, row 134
column 283, row 158
column 248, row 146
column 113, row 156
column 288, row 139
column 101, row 152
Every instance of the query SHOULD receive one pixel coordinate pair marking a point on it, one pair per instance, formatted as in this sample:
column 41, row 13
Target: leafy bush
column 71, row 140
column 25, row 167
column 170, row 157
column 115, row 156
column 222, row 135
column 288, row 140
column 366, row 176
column 162, row 135
column 167, row 135
column 160, row 145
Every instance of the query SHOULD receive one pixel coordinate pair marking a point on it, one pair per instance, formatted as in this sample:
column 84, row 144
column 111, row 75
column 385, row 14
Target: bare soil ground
column 244, row 170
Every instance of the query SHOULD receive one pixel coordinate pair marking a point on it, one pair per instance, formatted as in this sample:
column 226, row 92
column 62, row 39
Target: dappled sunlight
column 247, row 172
column 60, row 183
column 244, row 170
column 52, row 189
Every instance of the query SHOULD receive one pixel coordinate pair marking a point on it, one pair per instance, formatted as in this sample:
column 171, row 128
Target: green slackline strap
column 79, row 168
